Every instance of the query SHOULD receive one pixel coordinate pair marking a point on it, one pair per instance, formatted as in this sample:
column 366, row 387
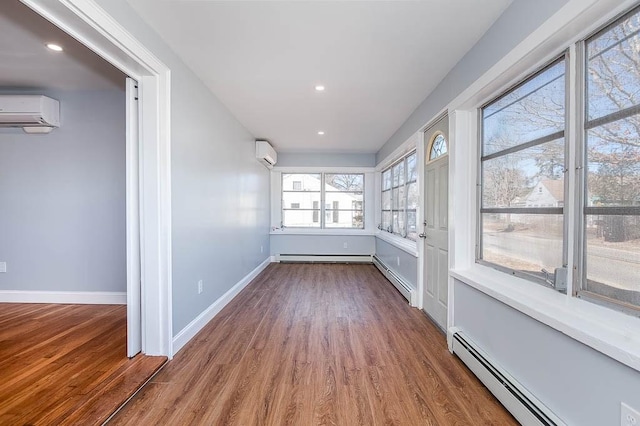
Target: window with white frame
column 399, row 198
column 336, row 198
column 523, row 180
column 522, row 168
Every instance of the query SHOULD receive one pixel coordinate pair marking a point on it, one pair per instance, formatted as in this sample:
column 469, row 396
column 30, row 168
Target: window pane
column 304, row 200
column 530, row 111
column 613, row 257
column 613, row 80
column 300, row 218
column 438, row 147
column 386, row 221
column 395, row 198
column 613, row 173
column 386, row 200
column 304, row 181
column 411, row 225
column 523, row 242
column 344, row 182
column 398, row 174
column 386, row 179
column 412, row 196
column 345, row 219
column 344, row 200
column 412, row 170
column 532, row 177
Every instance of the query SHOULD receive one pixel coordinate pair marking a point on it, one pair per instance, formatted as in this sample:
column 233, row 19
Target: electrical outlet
column 261, row 249
column 629, row 416
column 398, row 260
column 3, row 266
column 345, row 245
column 200, row 287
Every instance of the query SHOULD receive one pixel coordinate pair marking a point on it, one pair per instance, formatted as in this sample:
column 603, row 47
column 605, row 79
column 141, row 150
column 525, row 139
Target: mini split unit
column 34, row 113
column 266, row 154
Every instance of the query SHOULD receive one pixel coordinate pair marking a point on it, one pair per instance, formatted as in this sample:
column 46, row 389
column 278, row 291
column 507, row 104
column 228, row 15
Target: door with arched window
column 436, row 212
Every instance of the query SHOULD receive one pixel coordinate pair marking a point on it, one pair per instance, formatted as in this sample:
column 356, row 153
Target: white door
column 134, row 308
column 435, row 233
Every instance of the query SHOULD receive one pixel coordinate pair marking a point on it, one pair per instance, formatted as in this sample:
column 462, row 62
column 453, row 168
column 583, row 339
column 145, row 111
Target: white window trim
column 608, row 331
column 369, row 204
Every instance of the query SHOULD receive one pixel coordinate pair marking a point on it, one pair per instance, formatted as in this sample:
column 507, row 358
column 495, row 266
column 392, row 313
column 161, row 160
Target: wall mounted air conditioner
column 266, row 154
column 34, row 113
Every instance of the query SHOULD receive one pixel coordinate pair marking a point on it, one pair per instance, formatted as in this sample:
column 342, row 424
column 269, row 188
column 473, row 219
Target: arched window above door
column 438, row 147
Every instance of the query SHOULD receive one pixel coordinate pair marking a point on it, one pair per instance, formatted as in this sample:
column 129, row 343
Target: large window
column 339, row 194
column 523, row 176
column 612, row 173
column 400, row 197
column 525, row 223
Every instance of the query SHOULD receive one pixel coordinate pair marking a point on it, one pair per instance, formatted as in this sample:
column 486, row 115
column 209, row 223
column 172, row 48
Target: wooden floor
column 316, row 345
column 66, row 364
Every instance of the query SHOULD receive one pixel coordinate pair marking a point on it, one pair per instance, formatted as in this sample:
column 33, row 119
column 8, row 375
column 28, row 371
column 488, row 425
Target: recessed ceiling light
column 55, row 47
column 319, row 88
column 321, row 133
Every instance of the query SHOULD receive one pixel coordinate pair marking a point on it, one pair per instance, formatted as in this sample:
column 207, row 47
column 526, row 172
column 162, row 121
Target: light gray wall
column 62, row 214
column 401, row 262
column 517, row 22
column 322, row 244
column 325, row 160
column 580, row 385
column 220, row 193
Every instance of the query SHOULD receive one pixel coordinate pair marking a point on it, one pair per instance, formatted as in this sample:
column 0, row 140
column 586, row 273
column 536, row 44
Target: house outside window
column 341, row 196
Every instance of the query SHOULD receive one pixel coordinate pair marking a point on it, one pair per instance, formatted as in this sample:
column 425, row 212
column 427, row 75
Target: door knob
column 422, row 235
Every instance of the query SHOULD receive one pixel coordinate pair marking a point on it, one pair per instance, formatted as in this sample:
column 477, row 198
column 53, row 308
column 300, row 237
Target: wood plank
column 308, row 344
column 66, row 364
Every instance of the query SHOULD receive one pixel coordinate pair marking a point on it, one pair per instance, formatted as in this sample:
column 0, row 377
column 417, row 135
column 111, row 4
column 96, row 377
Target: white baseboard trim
column 65, row 297
column 187, row 333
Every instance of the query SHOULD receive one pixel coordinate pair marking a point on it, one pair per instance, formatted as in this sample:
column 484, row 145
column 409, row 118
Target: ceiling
column 28, row 63
column 377, row 59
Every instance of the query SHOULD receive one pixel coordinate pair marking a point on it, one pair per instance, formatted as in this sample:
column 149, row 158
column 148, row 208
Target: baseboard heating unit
column 323, row 258
column 525, row 407
column 398, row 282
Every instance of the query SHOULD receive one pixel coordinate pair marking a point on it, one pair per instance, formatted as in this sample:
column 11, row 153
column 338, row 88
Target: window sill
column 303, row 231
column 612, row 333
column 404, row 244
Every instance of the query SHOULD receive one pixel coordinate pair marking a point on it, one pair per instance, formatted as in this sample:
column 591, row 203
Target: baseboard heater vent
column 323, row 258
column 525, row 407
column 398, row 282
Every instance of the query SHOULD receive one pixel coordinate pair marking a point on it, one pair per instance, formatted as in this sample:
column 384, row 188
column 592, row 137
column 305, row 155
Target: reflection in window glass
column 527, row 113
column 612, row 139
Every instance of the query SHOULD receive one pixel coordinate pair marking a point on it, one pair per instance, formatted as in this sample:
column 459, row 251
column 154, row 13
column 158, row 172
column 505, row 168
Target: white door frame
column 92, row 26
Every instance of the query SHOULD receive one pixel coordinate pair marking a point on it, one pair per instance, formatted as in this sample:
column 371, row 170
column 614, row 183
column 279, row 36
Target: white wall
column 62, row 208
column 401, row 262
column 220, row 193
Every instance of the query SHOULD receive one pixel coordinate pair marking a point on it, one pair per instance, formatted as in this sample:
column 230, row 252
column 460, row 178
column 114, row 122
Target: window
column 438, row 147
column 522, row 167
column 611, row 204
column 523, row 215
column 339, row 194
column 400, row 197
